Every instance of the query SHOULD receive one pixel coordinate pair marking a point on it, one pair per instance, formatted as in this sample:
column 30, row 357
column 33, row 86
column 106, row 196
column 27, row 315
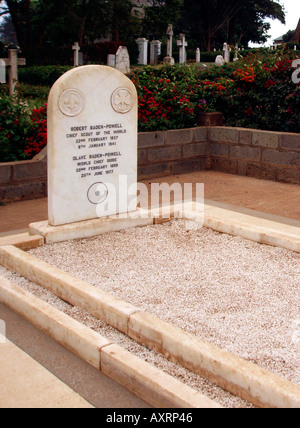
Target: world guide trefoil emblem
column 122, row 100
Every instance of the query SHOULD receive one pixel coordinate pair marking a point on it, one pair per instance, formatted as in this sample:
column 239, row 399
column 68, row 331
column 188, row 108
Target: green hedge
column 41, row 75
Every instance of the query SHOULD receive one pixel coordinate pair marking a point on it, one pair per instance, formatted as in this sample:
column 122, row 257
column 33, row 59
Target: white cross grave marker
column 182, row 51
column 2, row 71
column 226, row 53
column 236, row 58
column 169, row 58
column 76, row 49
column 12, row 62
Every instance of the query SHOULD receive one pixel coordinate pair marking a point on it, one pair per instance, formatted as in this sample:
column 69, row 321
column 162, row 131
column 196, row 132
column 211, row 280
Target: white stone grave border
column 141, row 378
column 244, row 379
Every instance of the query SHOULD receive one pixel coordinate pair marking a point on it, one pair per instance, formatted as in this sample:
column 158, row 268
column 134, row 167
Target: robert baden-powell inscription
column 92, row 142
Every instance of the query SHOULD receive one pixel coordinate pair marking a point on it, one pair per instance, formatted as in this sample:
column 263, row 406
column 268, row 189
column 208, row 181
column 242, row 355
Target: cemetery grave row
column 121, row 60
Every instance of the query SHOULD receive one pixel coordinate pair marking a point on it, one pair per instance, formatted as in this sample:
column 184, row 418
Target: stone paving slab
column 27, row 384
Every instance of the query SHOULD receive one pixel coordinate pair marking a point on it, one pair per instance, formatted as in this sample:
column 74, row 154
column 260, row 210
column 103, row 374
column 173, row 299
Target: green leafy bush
column 255, row 92
column 42, row 75
column 35, row 96
column 266, row 98
column 15, row 127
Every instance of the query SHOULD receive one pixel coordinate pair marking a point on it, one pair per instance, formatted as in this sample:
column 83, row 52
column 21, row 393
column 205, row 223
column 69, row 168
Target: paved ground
column 266, row 196
column 50, row 375
column 66, row 378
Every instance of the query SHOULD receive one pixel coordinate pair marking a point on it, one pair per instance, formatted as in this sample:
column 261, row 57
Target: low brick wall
column 261, row 154
column 173, row 152
column 265, row 155
column 23, row 180
column 160, row 154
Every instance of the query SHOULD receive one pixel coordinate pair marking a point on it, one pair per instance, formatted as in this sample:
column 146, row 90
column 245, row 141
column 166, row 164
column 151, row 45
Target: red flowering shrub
column 172, row 97
column 245, row 75
column 38, row 140
column 256, row 92
column 23, row 133
column 264, row 95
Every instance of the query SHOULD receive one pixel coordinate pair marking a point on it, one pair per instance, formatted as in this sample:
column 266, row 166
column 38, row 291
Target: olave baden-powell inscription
column 92, row 142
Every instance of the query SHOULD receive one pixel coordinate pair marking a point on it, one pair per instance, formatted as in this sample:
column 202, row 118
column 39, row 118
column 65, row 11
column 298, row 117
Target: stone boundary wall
column 23, row 180
column 261, row 154
column 173, row 152
column 160, row 154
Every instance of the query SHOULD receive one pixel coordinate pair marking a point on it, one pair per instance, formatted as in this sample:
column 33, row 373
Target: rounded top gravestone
column 92, row 145
column 220, row 61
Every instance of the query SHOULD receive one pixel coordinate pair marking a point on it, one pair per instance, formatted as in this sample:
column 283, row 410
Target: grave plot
column 233, row 293
column 154, row 358
column 240, row 295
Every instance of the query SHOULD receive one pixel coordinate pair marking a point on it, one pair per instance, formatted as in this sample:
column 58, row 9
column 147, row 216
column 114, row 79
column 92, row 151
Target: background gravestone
column 155, row 51
column 182, row 43
column 2, row 71
column 92, row 145
column 123, row 60
column 12, row 62
column 169, row 58
column 143, row 51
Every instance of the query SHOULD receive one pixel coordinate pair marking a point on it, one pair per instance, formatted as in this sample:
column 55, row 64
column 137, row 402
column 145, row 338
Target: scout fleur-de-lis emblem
column 122, row 100
column 71, row 102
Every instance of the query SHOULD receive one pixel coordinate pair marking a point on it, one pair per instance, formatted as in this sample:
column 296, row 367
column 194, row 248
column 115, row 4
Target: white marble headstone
column 155, row 51
column 92, row 145
column 220, row 61
column 143, row 51
column 111, row 60
column 123, row 60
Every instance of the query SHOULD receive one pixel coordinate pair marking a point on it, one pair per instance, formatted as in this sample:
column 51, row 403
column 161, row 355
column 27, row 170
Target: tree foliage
column 41, row 25
column 55, row 23
column 159, row 14
column 243, row 18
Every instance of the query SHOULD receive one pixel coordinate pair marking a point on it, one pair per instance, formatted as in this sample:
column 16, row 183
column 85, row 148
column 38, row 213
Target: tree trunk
column 13, row 10
column 28, row 27
column 207, row 40
column 22, row 23
column 81, row 31
column 116, row 22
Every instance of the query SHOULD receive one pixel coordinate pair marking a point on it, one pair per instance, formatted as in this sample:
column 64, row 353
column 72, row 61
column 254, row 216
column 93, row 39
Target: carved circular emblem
column 97, row 193
column 71, row 102
column 122, row 100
